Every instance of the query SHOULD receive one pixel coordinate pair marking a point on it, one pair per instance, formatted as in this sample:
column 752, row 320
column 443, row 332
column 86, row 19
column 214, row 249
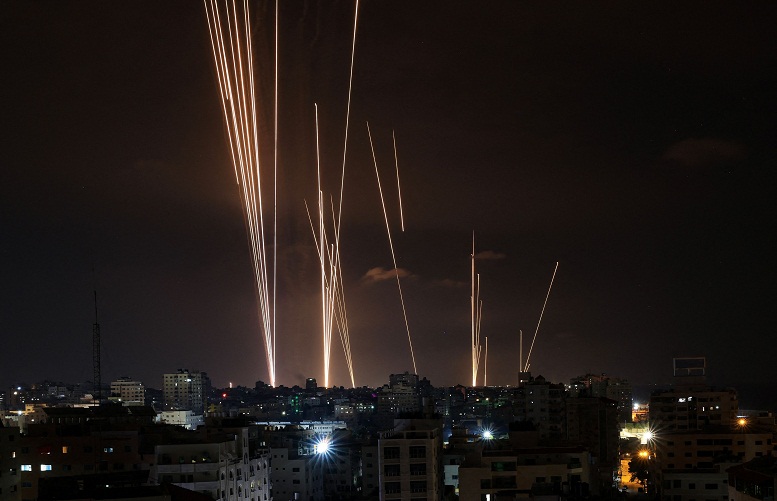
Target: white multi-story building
column 186, row 390
column 128, row 392
column 296, row 477
column 186, row 419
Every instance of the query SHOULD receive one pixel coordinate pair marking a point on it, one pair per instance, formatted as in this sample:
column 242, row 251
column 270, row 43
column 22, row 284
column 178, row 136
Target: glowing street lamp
column 322, row 446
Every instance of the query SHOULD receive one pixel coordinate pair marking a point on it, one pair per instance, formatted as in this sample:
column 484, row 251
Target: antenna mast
column 96, row 380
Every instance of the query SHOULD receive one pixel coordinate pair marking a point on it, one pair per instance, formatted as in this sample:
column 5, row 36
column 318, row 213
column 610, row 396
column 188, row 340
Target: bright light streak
column 476, row 306
column 488, row 435
column 333, row 310
column 391, row 245
column 399, row 190
column 648, row 436
column 230, row 36
column 541, row 313
column 347, row 116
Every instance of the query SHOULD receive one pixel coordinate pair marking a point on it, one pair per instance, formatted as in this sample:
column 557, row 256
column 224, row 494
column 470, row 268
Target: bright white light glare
column 649, row 435
column 488, row 435
column 321, row 447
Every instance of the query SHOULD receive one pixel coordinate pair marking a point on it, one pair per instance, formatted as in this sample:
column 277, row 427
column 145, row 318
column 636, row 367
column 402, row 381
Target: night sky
column 632, row 142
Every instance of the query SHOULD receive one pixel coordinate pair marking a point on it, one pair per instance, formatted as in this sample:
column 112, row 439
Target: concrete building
column 76, row 446
column 542, row 403
column 692, row 465
column 295, row 476
column 186, row 419
column 692, row 404
column 10, row 478
column 185, row 390
column 604, row 386
column 410, row 460
column 128, row 392
column 222, row 466
column 523, row 473
column 754, row 480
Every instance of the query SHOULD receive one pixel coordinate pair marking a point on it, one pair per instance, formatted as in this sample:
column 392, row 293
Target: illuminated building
column 692, row 404
column 186, row 419
column 128, row 392
column 296, row 476
column 186, row 390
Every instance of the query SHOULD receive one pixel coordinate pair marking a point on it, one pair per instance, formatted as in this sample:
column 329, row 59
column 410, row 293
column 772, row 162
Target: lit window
column 45, row 467
column 108, row 449
column 64, row 449
column 26, row 467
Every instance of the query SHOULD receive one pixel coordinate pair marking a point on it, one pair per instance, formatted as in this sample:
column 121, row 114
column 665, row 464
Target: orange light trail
column 540, row 320
column 391, row 245
column 399, row 190
column 333, row 312
column 230, row 36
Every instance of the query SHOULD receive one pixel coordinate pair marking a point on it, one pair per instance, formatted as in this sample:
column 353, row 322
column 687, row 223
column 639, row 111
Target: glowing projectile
column 399, row 190
column 230, row 35
column 541, row 313
column 391, row 245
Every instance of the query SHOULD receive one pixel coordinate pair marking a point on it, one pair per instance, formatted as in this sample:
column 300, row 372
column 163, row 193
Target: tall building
column 692, row 404
column 542, row 403
column 128, row 392
column 411, row 461
column 604, row 386
column 185, row 390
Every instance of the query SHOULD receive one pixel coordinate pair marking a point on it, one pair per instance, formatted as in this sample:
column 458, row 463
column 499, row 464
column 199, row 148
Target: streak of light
column 347, row 116
column 333, row 311
column 485, row 365
column 476, row 314
column 391, row 245
column 399, row 190
column 230, row 36
column 540, row 320
column 275, row 189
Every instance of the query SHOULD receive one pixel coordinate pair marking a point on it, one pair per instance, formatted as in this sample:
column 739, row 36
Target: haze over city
column 632, row 144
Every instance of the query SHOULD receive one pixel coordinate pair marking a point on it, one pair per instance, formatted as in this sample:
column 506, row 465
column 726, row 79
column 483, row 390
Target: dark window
column 710, row 486
column 393, row 487
column 418, row 469
column 391, row 452
column 418, row 486
column 417, row 451
column 391, row 470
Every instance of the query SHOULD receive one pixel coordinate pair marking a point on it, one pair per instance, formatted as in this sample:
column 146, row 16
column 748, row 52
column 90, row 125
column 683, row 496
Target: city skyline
column 631, row 144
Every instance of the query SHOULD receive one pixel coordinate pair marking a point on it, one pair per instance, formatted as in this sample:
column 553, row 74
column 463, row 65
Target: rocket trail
column 333, row 312
column 347, row 116
column 540, row 320
column 399, row 190
column 230, row 36
column 391, row 245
